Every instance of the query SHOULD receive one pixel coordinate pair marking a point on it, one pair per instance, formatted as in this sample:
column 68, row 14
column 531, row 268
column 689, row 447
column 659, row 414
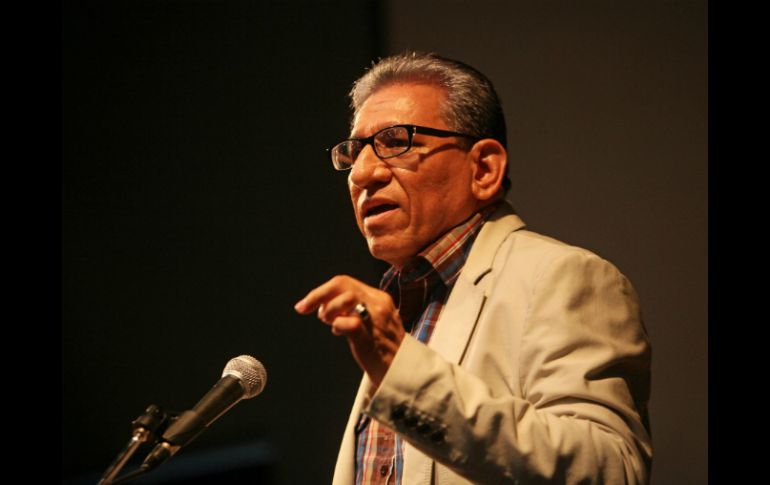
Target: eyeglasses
column 387, row 143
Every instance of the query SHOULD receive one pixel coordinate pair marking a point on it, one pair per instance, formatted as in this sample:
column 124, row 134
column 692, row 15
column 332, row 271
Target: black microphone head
column 250, row 372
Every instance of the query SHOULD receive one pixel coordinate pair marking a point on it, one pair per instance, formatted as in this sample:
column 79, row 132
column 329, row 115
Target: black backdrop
column 199, row 205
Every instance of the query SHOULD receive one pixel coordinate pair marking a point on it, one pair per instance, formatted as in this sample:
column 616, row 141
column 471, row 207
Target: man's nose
column 369, row 168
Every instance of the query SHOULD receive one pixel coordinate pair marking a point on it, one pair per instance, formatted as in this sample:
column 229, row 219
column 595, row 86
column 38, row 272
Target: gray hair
column 472, row 104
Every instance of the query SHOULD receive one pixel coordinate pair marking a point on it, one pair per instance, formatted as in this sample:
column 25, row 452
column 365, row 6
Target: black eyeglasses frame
column 411, row 131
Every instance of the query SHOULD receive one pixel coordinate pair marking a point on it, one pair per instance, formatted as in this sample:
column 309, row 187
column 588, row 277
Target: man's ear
column 490, row 162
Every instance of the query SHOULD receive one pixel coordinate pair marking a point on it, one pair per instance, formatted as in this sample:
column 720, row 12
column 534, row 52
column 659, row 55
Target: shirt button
column 384, row 470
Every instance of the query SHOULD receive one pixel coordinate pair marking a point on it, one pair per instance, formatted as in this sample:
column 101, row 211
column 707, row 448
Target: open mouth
column 379, row 209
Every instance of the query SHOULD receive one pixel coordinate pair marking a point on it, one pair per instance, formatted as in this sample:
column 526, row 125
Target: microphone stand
column 152, row 423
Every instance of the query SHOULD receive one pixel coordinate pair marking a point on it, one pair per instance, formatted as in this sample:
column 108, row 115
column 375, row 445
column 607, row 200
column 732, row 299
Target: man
column 491, row 354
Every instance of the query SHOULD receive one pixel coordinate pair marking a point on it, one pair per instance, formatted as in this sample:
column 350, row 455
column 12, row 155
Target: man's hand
column 374, row 341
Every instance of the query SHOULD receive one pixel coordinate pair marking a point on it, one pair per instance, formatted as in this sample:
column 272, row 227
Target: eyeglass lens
column 387, row 143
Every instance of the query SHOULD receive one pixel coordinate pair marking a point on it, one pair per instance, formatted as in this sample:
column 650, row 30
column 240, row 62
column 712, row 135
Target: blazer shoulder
column 526, row 239
column 532, row 253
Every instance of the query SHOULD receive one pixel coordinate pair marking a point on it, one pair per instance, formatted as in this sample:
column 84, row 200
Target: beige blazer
column 537, row 372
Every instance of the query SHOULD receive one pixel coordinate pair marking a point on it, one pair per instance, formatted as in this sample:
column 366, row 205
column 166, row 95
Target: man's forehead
column 398, row 104
column 379, row 112
column 362, row 131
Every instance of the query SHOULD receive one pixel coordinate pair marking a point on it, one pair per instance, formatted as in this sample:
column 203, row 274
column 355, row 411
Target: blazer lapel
column 459, row 316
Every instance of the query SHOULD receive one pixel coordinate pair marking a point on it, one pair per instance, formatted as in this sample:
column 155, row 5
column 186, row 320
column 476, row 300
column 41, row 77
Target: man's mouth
column 379, row 209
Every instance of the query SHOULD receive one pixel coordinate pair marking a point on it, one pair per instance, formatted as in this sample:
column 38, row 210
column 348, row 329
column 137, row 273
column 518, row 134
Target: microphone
column 243, row 378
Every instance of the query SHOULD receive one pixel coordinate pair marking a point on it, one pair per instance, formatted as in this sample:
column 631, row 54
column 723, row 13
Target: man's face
column 403, row 204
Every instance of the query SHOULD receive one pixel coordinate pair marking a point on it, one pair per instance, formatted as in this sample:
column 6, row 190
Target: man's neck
column 485, row 209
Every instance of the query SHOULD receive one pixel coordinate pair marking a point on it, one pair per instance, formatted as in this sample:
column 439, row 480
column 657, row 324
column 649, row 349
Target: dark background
column 199, row 204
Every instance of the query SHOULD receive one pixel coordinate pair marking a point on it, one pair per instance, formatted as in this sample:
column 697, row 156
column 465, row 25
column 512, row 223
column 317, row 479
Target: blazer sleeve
column 577, row 413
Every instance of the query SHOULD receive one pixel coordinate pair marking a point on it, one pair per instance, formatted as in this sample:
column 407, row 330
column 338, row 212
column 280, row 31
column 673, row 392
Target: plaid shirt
column 420, row 290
